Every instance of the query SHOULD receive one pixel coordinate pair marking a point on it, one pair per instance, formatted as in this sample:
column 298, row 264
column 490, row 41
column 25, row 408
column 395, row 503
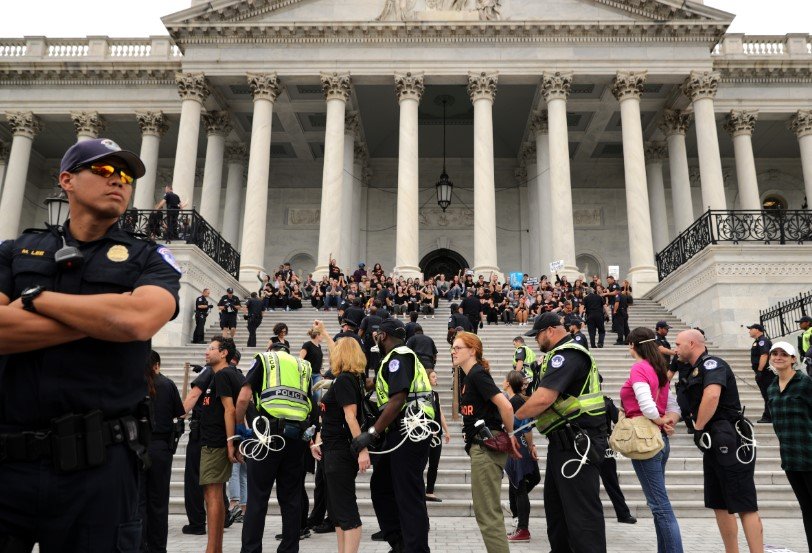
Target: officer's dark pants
column 171, row 224
column 620, row 324
column 684, row 406
column 573, row 506
column 474, row 320
column 399, row 494
column 200, row 324
column 285, row 468
column 192, row 492
column 593, row 323
column 153, row 501
column 612, row 487
column 92, row 511
column 253, row 324
column 319, row 512
column 764, row 379
column 373, row 361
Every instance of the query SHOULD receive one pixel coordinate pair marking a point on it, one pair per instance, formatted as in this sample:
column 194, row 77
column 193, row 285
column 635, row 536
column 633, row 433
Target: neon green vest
column 806, row 339
column 589, row 401
column 528, row 362
column 420, row 389
column 285, row 381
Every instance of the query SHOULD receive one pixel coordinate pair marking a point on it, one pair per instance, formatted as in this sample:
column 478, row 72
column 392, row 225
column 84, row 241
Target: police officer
column 78, row 307
column 472, row 308
column 154, row 496
column 593, row 307
column 572, row 414
column 524, row 360
column 398, row 491
column 661, row 330
column 202, row 308
column 805, row 323
column 457, row 319
column 575, row 324
column 253, row 314
column 620, row 317
column 759, row 360
column 729, row 484
column 229, row 304
column 279, row 384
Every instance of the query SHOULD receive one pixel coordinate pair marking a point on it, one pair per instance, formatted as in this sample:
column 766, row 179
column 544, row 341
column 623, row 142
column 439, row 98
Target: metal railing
column 733, row 227
column 779, row 320
column 187, row 226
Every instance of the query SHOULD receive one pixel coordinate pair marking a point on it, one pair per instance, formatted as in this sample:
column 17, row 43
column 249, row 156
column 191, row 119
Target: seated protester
column 413, row 304
column 491, row 312
column 377, row 271
column 455, row 289
column 400, row 301
column 333, row 295
column 295, row 298
column 268, row 301
column 427, row 301
column 522, row 310
column 317, row 298
column 281, row 296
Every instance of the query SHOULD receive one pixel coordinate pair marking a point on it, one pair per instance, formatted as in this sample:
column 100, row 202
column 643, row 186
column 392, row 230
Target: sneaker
column 519, row 535
column 324, row 528
column 302, row 535
column 240, row 518
column 433, row 498
column 378, row 536
column 194, row 530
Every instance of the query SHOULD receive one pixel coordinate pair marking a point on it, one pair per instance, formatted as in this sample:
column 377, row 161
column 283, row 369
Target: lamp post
column 58, row 208
column 444, row 185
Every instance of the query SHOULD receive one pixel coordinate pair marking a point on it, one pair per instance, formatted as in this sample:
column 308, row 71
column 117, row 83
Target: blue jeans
column 651, row 474
column 238, row 484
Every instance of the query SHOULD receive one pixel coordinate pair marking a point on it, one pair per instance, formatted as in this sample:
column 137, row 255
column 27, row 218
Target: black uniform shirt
column 458, row 319
column 425, row 349
column 226, row 383
column 167, row 404
column 172, row 200
column 478, row 389
column 231, row 304
column 348, row 334
column 471, row 306
column 202, row 305
column 368, row 325
column 398, row 372
column 663, row 341
column 593, row 304
column 708, row 370
column 410, row 329
column 579, row 338
column 87, row 374
column 622, row 305
column 254, row 306
column 614, row 289
column 345, row 390
column 761, row 346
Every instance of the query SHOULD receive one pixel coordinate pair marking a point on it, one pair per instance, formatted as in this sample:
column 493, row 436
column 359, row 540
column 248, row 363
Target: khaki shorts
column 215, row 468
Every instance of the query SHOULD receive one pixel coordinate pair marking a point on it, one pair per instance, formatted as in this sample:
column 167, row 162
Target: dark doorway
column 443, row 261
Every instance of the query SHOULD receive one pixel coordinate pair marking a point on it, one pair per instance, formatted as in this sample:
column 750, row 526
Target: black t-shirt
column 478, row 389
column 761, row 346
column 593, row 304
column 714, row 370
column 438, row 414
column 471, row 306
column 230, row 305
column 172, row 200
column 400, row 299
column 202, row 382
column 334, row 272
column 313, row 355
column 410, row 329
column 567, row 372
column 425, row 349
column 345, row 390
column 166, row 403
column 226, row 383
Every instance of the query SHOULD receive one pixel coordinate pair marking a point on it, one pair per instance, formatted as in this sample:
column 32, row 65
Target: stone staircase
column 453, row 484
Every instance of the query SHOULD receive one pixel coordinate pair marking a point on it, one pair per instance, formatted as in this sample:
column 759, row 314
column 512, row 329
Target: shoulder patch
column 450, row 319
column 557, row 361
column 394, row 365
column 710, row 364
column 167, row 256
column 761, row 343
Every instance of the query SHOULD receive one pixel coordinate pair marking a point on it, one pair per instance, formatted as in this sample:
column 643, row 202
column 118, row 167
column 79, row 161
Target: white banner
column 556, row 266
column 614, row 270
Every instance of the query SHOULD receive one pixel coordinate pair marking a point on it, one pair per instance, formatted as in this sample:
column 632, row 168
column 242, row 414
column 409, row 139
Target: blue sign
column 516, row 280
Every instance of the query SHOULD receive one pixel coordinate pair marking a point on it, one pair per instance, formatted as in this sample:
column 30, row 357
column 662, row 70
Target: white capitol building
column 593, row 132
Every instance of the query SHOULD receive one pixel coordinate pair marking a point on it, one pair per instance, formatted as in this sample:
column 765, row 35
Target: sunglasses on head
column 106, row 170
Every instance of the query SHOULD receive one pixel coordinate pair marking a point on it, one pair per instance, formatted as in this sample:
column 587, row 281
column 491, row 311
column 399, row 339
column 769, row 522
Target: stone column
column 336, row 89
column 655, row 153
column 218, row 125
column 556, row 90
column 193, row 90
column 409, row 90
column 153, row 125
column 740, row 125
column 265, row 89
column 526, row 176
column 627, row 88
column 674, row 126
column 235, row 154
column 358, row 171
column 5, row 150
column 542, row 208
column 482, row 89
column 25, row 126
column 88, row 125
column 701, row 87
column 352, row 123
column 801, row 125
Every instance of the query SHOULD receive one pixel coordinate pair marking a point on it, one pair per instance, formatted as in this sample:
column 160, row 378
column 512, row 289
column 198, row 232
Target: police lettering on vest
column 285, row 383
column 419, row 389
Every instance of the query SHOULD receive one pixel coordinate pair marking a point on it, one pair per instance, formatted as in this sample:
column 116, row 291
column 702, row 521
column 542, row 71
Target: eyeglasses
column 458, row 348
column 107, row 171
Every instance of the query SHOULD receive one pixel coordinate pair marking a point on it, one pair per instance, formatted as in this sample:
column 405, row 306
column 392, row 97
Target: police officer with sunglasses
column 78, row 307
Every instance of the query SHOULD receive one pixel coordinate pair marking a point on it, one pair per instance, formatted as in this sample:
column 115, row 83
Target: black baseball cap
column 88, row 151
column 804, row 319
column 393, row 327
column 229, row 290
column 454, row 307
column 543, row 322
column 662, row 324
column 575, row 320
column 280, row 345
column 757, row 326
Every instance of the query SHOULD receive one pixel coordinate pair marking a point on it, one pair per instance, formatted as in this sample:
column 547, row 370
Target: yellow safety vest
column 529, row 361
column 285, row 381
column 588, row 402
column 420, row 389
column 806, row 340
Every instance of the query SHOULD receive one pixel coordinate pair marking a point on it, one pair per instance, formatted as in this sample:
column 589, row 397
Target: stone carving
column 482, row 85
column 694, row 176
column 303, row 216
column 488, row 10
column 520, row 173
column 397, row 10
column 87, row 123
column 336, row 86
column 701, row 84
column 217, row 123
column 360, row 153
column 352, row 122
column 236, row 152
column 264, row 86
column 152, row 123
column 453, row 217
column 527, row 153
column 675, row 122
column 556, row 86
column 24, row 123
column 587, row 217
column 655, row 151
column 539, row 122
column 192, row 86
column 5, row 150
column 409, row 86
column 628, row 84
column 801, row 123
column 741, row 122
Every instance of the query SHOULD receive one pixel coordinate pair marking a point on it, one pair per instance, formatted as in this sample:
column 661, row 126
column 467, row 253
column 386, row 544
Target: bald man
column 729, row 484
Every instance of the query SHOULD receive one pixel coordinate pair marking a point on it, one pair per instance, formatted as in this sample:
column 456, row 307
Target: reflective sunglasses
column 107, row 171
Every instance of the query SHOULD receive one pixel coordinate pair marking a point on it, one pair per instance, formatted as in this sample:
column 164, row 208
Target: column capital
column 628, row 84
column 5, row 150
column 87, row 123
column 152, row 123
column 24, row 123
column 527, row 153
column 360, row 153
column 218, row 123
column 741, row 122
column 520, row 173
column 556, row 86
column 539, row 122
column 352, row 123
column 482, row 85
column 675, row 122
column 655, row 151
column 192, row 86
column 236, row 152
column 801, row 123
column 336, row 86
column 701, row 84
column 264, row 86
column 409, row 86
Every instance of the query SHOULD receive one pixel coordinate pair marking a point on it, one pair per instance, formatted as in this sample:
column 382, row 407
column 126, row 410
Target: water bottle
column 309, row 433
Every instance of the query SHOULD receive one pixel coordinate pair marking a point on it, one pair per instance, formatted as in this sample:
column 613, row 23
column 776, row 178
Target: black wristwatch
column 28, row 296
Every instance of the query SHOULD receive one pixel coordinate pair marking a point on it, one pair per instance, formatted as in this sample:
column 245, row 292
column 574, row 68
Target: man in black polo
column 229, row 304
column 593, row 309
column 253, row 314
column 471, row 308
column 202, row 308
column 759, row 357
column 661, row 330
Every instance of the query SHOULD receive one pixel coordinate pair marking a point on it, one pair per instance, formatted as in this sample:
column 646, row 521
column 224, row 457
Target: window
column 774, row 202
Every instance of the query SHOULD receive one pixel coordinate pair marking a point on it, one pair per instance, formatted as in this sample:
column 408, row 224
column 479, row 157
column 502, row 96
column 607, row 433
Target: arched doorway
column 302, row 264
column 445, row 261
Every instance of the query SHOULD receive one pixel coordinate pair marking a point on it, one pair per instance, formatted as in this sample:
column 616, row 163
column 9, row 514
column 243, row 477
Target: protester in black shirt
column 253, row 309
column 312, row 353
column 280, row 331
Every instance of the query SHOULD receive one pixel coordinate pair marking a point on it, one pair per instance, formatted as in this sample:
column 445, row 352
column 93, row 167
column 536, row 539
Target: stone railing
column 736, row 45
column 94, row 48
